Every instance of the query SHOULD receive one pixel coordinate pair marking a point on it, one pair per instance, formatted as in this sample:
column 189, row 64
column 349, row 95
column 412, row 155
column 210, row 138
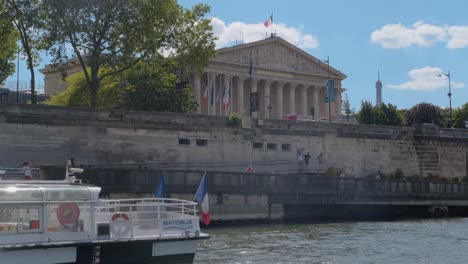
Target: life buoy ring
column 120, row 215
column 120, row 225
column 68, row 213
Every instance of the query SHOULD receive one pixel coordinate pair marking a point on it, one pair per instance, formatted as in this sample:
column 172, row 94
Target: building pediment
column 276, row 53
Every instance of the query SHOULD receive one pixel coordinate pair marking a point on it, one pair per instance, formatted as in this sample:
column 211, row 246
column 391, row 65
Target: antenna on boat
column 70, row 171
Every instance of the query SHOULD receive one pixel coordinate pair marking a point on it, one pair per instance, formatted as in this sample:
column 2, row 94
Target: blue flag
column 329, row 90
column 201, row 191
column 160, row 190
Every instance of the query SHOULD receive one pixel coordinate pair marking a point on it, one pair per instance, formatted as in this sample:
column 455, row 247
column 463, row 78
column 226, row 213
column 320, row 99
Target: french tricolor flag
column 201, row 197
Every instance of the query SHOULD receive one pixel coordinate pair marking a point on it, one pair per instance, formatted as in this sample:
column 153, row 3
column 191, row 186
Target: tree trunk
column 93, row 93
column 33, row 82
column 94, row 86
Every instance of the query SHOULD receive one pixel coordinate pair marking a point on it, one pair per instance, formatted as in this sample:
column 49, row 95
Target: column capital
column 280, row 82
column 268, row 82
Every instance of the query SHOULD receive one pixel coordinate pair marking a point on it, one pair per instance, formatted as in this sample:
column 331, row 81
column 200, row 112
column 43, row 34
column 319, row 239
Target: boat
column 65, row 221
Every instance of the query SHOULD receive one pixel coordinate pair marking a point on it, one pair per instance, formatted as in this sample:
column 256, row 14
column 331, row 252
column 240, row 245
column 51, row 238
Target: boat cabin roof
column 37, row 191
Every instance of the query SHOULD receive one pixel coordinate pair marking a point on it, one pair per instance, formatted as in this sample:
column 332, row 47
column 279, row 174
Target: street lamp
column 449, row 95
column 328, row 88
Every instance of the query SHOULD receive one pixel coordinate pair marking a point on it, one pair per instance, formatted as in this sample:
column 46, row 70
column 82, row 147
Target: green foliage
column 150, row 28
column 423, row 113
column 460, row 115
column 383, row 114
column 346, row 107
column 386, row 114
column 77, row 93
column 8, row 47
column 235, row 117
column 27, row 18
column 366, row 114
column 445, row 116
column 151, row 87
column 146, row 87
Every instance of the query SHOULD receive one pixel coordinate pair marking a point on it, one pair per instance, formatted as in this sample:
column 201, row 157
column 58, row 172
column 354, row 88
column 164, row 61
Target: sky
column 410, row 42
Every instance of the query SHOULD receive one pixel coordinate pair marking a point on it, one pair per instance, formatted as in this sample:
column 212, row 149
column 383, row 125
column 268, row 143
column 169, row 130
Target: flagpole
column 272, row 24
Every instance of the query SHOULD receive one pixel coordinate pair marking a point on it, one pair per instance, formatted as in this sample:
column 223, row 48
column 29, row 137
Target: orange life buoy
column 120, row 215
column 68, row 213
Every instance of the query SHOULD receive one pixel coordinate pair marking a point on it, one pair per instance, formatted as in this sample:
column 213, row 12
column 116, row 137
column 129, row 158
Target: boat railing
column 148, row 217
column 15, row 173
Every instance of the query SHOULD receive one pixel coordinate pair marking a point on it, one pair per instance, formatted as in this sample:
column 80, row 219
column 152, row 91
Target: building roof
column 243, row 53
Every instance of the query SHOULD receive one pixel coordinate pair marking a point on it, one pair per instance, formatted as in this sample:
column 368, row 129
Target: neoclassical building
column 277, row 76
column 285, row 79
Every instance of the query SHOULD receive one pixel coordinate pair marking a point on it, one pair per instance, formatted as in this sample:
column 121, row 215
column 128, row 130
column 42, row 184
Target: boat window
column 20, row 193
column 68, row 193
column 8, row 220
column 20, row 219
column 29, row 220
column 69, row 217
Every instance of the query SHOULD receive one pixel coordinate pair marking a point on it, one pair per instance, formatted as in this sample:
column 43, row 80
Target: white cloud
column 231, row 33
column 395, row 36
column 458, row 37
column 426, row 79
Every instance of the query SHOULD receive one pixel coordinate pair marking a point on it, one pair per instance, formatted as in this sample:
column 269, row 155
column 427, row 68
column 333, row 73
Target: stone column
column 292, row 98
column 197, row 92
column 316, row 102
column 266, row 94
column 227, row 85
column 279, row 100
column 240, row 95
column 304, row 109
column 337, row 101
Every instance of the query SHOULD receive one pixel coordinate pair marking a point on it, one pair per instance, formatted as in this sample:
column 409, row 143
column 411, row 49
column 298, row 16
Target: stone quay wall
column 45, row 135
column 271, row 197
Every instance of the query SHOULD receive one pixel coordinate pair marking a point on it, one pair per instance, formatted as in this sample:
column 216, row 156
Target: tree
column 423, row 113
column 151, row 87
column 386, row 114
column 27, row 19
column 117, row 34
column 460, row 116
column 8, row 46
column 145, row 87
column 346, row 107
column 77, row 93
column 366, row 114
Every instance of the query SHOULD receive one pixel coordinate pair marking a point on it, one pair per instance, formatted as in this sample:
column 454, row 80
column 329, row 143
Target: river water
column 407, row 241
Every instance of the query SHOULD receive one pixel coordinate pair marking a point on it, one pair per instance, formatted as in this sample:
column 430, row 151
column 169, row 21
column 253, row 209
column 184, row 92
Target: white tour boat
column 45, row 222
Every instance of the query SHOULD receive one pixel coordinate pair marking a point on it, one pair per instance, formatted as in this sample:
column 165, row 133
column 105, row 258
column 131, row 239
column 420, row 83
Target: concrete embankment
column 50, row 135
column 285, row 197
